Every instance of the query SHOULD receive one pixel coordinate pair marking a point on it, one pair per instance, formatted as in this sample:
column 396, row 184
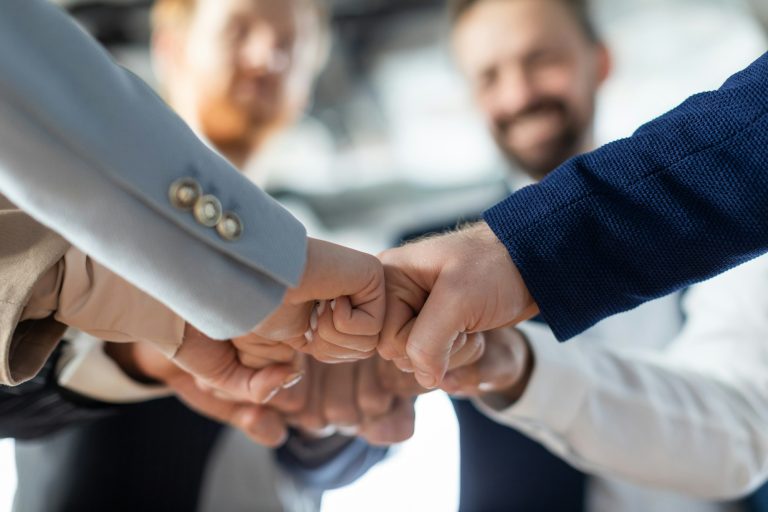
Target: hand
column 144, row 363
column 349, row 399
column 504, row 369
column 337, row 311
column 215, row 365
column 444, row 287
column 400, row 380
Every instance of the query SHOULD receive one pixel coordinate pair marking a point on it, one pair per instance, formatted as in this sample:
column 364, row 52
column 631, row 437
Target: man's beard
column 238, row 129
column 538, row 162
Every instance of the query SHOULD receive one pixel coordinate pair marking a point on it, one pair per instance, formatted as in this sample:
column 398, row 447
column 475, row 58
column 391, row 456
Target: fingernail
column 404, row 365
column 313, row 320
column 333, row 305
column 321, row 307
column 309, row 336
column 272, row 394
column 293, row 380
column 426, row 380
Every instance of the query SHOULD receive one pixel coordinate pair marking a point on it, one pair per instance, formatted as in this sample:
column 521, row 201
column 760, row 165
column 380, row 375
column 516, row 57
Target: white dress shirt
column 627, row 400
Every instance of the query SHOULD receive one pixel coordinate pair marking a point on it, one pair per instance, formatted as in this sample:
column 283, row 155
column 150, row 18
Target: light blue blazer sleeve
column 90, row 151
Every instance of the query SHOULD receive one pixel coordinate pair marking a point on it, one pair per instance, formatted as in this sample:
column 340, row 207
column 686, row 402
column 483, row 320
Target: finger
column 352, row 315
column 288, row 322
column 470, row 353
column 257, row 386
column 372, row 398
column 394, row 427
column 259, row 355
column 404, row 300
column 263, row 426
column 397, row 382
column 339, row 401
column 216, row 364
column 462, row 381
column 334, row 271
column 292, row 400
column 311, row 418
column 440, row 322
column 497, row 369
column 458, row 344
column 328, row 331
column 328, row 353
column 263, row 385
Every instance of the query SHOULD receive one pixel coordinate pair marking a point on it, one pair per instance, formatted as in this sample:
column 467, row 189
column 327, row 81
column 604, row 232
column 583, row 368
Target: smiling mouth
column 535, row 129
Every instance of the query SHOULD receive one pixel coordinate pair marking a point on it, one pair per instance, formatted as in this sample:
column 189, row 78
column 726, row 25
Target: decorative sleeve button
column 230, row 227
column 184, row 193
column 208, row 211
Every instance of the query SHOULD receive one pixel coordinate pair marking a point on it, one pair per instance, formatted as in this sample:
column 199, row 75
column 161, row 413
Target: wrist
column 521, row 351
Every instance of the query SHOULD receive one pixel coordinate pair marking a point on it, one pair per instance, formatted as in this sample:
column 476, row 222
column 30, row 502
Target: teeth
column 321, row 307
column 309, row 336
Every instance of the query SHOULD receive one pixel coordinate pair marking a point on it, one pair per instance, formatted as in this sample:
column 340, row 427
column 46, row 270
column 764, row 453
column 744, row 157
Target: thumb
column 438, row 326
column 216, row 364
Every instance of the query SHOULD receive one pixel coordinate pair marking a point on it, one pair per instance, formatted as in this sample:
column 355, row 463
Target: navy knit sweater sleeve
column 683, row 199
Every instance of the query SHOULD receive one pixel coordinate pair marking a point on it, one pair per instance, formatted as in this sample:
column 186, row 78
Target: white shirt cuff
column 85, row 369
column 556, row 390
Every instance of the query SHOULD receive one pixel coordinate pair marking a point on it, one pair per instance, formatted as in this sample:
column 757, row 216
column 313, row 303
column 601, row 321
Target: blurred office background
column 392, row 142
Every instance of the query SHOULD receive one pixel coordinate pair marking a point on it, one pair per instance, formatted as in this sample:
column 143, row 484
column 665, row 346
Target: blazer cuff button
column 208, row 211
column 184, row 193
column 230, row 228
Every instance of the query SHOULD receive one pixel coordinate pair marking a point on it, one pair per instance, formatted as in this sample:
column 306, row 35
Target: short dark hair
column 579, row 8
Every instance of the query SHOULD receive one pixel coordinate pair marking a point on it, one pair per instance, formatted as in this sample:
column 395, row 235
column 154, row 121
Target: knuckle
column 427, row 358
column 375, row 405
column 252, row 361
column 341, row 414
column 390, row 351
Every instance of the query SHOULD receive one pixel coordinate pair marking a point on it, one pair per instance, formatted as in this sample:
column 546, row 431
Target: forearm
column 586, row 239
column 82, row 294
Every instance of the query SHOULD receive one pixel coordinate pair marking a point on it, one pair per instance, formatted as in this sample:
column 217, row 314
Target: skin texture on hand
column 337, row 311
column 503, row 369
column 215, row 365
column 348, row 399
column 443, row 287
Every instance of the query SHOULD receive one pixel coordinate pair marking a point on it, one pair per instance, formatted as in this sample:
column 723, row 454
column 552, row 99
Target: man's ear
column 604, row 63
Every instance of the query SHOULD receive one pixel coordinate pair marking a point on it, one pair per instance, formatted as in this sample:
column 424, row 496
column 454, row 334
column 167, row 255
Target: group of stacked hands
column 378, row 316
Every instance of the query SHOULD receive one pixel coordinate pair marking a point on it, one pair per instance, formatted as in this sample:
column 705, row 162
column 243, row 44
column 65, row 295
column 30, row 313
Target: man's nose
column 261, row 52
column 515, row 91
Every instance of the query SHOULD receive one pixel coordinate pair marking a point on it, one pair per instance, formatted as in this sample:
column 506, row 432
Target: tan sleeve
column 28, row 253
column 104, row 305
column 47, row 285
